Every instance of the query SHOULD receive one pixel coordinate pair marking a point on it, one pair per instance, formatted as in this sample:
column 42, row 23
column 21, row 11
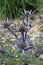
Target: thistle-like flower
column 6, row 23
column 22, row 47
column 22, row 28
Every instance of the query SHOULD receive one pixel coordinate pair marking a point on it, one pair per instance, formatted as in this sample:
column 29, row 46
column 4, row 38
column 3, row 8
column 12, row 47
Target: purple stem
column 23, row 37
column 23, row 21
column 14, row 34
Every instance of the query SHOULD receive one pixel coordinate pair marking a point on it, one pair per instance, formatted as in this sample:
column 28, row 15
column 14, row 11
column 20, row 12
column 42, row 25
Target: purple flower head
column 26, row 13
column 6, row 23
column 22, row 28
column 22, row 47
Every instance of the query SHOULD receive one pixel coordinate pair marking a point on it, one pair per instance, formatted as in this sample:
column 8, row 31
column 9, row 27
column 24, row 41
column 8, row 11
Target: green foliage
column 12, row 8
column 30, row 59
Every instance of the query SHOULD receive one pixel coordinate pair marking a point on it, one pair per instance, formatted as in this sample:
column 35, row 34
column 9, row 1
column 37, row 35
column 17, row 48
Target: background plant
column 12, row 8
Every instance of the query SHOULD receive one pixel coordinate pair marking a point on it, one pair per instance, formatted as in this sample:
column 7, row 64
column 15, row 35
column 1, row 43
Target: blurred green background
column 12, row 8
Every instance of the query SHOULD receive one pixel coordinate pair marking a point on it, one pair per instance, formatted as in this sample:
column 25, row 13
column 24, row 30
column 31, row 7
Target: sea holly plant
column 22, row 43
